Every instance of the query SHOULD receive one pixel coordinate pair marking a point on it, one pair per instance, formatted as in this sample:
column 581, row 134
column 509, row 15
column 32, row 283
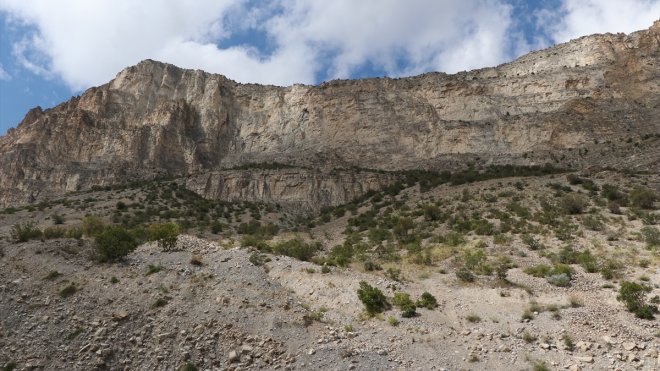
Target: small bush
column 114, row 244
column 402, row 301
column 560, row 280
column 473, row 318
column 297, row 248
column 68, row 291
column 465, row 275
column 188, row 367
column 166, row 234
column 196, row 260
column 92, row 225
column 75, row 232
column 568, row 342
column 573, row 204
column 153, row 269
column 633, row 295
column 528, row 337
column 23, row 232
column 258, row 259
column 54, row 232
column 643, row 198
column 53, row 275
column 373, row 299
column 57, row 218
column 651, row 236
column 541, row 270
column 392, row 321
column 531, row 242
column 372, row 266
column 160, row 302
column 342, row 255
column 427, row 301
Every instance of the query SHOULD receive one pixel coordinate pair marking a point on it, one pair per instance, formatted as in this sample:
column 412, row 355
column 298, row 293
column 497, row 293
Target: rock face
column 591, row 102
column 305, row 190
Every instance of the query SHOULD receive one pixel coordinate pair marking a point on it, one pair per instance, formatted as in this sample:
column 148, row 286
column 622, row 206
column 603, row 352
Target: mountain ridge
column 573, row 105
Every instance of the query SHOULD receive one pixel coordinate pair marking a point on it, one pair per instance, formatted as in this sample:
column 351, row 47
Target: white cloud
column 444, row 35
column 4, row 75
column 585, row 17
column 87, row 42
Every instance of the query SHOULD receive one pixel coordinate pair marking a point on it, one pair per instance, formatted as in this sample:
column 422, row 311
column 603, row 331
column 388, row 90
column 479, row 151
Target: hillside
column 498, row 219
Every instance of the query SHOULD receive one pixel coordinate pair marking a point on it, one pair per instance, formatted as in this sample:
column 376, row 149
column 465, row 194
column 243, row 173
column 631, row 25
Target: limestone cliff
column 594, row 101
column 303, row 189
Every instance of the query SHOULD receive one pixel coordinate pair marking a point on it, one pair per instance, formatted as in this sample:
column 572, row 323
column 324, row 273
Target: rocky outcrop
column 591, row 102
column 302, row 189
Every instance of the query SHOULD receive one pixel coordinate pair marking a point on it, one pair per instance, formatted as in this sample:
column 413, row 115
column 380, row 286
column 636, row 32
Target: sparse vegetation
column 23, row 232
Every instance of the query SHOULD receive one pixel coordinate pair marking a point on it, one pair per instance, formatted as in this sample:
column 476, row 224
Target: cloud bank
column 86, row 43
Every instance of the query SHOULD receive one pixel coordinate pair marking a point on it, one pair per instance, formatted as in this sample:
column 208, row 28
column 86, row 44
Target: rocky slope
column 590, row 102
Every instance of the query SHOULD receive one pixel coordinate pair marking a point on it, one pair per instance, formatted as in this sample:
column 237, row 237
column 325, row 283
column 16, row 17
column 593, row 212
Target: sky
column 52, row 50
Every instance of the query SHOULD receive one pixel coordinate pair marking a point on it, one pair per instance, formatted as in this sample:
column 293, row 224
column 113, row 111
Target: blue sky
column 51, row 50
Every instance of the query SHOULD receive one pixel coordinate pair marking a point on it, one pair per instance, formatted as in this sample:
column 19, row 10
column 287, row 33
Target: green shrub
column 92, row 225
column 297, row 248
column 153, row 269
column 342, row 255
column 592, row 222
column 633, row 295
column 427, row 301
column 559, row 279
column 531, row 242
column 502, row 267
column 643, row 198
column 160, row 302
column 651, row 236
column 75, row 232
column 573, row 204
column 166, row 234
column 372, row 266
column 23, row 232
column 57, row 218
column 254, row 241
column 54, row 232
column 612, row 193
column 454, row 239
column 188, row 367
column 473, row 318
column 258, row 259
column 465, row 275
column 402, row 301
column 541, row 270
column 68, row 291
column 373, row 299
column 114, row 244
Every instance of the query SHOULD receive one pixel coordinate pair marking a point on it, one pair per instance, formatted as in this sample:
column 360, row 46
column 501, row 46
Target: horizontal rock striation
column 594, row 101
column 300, row 189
